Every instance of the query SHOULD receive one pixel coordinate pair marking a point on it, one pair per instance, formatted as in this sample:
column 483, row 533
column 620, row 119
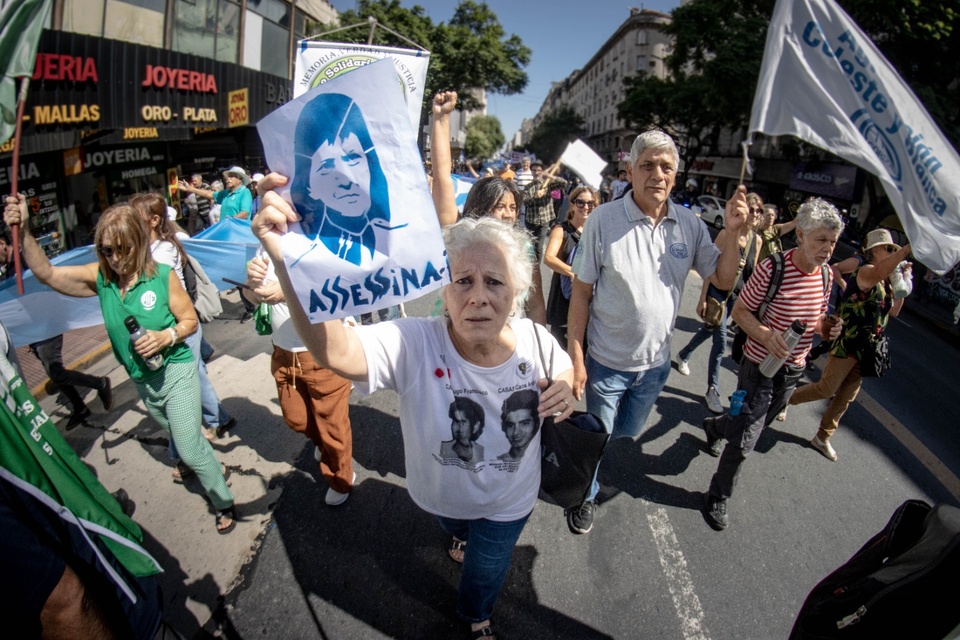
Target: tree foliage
column 484, row 136
column 552, row 134
column 471, row 51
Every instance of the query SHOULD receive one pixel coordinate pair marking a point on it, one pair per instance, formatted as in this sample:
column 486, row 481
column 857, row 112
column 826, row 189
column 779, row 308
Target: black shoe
column 222, row 429
column 127, row 505
column 77, row 417
column 246, row 317
column 580, row 519
column 716, row 513
column 714, row 442
column 106, row 394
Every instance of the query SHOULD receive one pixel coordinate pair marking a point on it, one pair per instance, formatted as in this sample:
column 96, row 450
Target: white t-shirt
column 617, row 187
column 164, row 252
column 415, row 357
column 284, row 334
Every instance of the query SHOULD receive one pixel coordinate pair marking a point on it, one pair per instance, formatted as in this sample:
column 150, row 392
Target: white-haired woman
column 479, row 349
column 865, row 307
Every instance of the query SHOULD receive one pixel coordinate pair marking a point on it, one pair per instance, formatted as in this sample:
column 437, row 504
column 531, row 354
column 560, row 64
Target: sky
column 562, row 34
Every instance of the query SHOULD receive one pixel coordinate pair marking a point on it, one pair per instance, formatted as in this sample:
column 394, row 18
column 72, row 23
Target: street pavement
column 376, row 566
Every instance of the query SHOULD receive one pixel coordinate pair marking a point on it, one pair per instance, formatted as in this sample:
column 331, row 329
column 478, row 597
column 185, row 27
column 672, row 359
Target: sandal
column 486, row 631
column 457, row 550
column 230, row 514
column 181, row 472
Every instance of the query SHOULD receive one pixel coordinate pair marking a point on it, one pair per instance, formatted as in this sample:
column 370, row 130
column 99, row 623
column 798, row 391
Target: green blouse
column 864, row 314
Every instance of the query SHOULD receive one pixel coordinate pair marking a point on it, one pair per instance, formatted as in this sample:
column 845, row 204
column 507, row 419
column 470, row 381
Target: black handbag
column 876, row 359
column 571, row 451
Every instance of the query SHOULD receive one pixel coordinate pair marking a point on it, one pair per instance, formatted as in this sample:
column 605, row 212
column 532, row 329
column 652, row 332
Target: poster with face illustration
column 368, row 236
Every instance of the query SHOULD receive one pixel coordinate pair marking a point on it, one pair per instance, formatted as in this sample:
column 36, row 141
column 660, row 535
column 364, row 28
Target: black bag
column 876, row 359
column 898, row 585
column 571, row 451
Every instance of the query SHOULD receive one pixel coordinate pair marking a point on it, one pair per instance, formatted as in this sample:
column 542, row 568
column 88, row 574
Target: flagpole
column 14, row 179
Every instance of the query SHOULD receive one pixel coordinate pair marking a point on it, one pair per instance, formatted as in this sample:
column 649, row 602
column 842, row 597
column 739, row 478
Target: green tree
column 552, row 134
column 484, row 136
column 472, row 51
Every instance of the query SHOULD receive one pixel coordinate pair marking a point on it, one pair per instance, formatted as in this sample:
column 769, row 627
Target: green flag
column 33, row 450
column 21, row 22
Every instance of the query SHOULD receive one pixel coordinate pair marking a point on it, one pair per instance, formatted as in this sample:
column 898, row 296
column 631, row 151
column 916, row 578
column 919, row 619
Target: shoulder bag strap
column 543, row 360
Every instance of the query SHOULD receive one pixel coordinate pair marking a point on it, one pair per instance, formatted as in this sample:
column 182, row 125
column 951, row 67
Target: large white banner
column 369, row 236
column 824, row 81
column 584, row 161
column 320, row 62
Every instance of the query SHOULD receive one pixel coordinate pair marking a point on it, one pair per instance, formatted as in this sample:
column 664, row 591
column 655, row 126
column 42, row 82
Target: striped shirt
column 801, row 297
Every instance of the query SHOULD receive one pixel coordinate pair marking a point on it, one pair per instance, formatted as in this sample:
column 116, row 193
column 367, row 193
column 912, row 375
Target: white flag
column 583, row 161
column 824, row 81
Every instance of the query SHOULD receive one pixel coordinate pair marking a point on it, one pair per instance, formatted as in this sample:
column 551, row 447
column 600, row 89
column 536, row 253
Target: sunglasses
column 107, row 251
column 891, row 249
column 756, row 210
column 584, row 203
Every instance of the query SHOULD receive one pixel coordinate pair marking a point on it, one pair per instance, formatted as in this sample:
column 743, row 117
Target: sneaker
column 714, row 442
column 580, row 519
column 335, row 498
column 782, row 416
column 77, row 418
column 713, row 400
column 716, row 513
column 683, row 366
column 105, row 393
column 246, row 317
column 824, row 447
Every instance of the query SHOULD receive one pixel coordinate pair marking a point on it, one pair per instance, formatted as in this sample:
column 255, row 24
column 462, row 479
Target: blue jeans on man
column 486, row 559
column 622, row 400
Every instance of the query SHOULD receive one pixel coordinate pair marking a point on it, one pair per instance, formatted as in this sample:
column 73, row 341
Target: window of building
column 641, row 63
column 83, row 16
column 641, row 37
column 208, row 28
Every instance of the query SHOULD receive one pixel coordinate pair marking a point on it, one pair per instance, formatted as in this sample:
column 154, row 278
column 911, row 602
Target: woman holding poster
column 477, row 349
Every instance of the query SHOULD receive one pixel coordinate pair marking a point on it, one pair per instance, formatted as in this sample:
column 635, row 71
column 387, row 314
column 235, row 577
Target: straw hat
column 879, row 237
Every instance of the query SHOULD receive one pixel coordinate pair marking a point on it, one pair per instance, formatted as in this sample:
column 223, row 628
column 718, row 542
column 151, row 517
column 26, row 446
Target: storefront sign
column 239, row 110
column 828, row 179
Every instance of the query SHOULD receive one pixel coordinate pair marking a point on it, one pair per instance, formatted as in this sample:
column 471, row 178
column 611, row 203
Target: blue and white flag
column 824, row 81
column 461, row 187
column 368, row 237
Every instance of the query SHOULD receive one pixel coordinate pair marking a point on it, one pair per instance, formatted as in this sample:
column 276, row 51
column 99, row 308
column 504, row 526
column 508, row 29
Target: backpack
column 773, row 287
column 205, row 295
column 900, row 584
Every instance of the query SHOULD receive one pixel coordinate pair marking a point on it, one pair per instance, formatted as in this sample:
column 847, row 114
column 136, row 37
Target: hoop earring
column 513, row 313
column 446, row 314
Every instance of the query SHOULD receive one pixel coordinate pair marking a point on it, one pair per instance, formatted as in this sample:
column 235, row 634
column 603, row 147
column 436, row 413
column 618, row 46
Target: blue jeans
column 719, row 335
column 213, row 412
column 486, row 559
column 622, row 400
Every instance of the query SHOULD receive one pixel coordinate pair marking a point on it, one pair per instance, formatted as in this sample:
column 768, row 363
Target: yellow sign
column 72, row 162
column 239, row 114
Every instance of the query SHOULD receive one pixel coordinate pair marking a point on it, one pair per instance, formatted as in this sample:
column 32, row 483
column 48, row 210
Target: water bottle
column 155, row 361
column 902, row 281
column 736, row 401
column 771, row 364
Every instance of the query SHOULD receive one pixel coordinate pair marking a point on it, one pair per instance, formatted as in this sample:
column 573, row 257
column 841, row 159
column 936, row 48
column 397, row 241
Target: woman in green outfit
column 129, row 283
column 866, row 305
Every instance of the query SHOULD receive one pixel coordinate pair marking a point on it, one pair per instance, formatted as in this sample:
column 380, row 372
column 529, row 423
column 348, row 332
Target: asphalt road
column 651, row 568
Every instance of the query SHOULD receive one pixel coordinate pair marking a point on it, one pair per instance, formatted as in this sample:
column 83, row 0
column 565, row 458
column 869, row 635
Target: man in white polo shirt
column 632, row 261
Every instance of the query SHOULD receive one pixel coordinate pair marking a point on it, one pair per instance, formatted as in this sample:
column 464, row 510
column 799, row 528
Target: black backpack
column 901, row 584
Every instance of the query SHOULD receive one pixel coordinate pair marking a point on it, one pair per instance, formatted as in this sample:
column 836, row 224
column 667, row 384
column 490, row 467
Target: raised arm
column 729, row 262
column 444, row 195
column 331, row 344
column 869, row 275
column 78, row 281
column 189, row 188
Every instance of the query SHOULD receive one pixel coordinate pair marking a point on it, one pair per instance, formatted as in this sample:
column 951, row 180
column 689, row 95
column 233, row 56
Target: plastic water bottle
column 736, row 401
column 155, row 361
column 902, row 281
column 771, row 364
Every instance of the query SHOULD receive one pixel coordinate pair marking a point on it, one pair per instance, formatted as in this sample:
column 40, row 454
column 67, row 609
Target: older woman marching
column 865, row 307
column 129, row 283
column 477, row 349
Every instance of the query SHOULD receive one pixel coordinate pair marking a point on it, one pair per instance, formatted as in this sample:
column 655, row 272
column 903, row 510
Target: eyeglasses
column 107, row 251
column 585, row 203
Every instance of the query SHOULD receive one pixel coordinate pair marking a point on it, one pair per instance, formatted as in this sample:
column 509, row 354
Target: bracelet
column 173, row 335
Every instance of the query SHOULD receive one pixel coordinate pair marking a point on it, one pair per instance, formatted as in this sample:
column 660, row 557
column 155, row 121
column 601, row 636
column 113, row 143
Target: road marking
column 926, row 457
column 685, row 601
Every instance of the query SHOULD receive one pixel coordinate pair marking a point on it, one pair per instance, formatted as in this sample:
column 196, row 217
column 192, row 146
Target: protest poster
column 319, row 62
column 582, row 160
column 368, row 237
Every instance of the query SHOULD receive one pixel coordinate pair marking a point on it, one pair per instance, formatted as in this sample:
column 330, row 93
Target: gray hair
column 817, row 214
column 465, row 236
column 653, row 139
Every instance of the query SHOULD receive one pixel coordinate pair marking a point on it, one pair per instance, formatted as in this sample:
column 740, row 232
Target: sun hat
column 257, row 177
column 240, row 173
column 878, row 237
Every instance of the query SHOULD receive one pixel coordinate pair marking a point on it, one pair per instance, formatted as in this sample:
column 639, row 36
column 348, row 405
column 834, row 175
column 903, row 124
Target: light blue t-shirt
column 233, row 202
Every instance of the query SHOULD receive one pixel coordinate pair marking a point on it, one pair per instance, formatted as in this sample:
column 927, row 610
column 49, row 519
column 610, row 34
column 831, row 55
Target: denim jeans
column 622, row 400
column 719, row 335
column 486, row 559
column 766, row 397
column 213, row 412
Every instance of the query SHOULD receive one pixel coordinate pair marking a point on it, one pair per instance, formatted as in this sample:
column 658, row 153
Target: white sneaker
column 335, row 498
column 713, row 400
column 825, row 448
column 683, row 367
